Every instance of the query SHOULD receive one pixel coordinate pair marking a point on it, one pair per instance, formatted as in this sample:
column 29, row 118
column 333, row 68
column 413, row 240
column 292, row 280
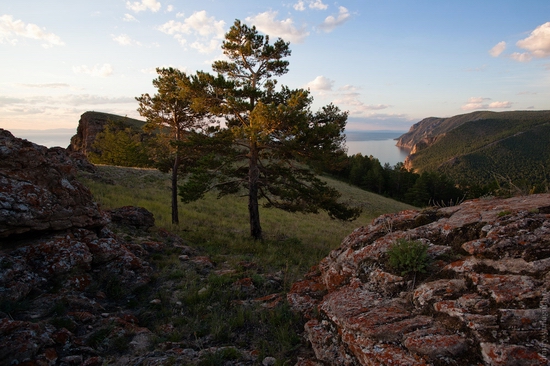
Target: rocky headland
column 90, row 124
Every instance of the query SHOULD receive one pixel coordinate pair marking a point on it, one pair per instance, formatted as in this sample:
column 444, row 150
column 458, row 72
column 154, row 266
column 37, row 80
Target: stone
column 488, row 285
column 511, row 355
column 437, row 290
column 39, row 190
column 269, row 361
column 133, row 217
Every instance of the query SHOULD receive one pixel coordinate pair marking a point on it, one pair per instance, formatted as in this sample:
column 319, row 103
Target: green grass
column 209, row 306
column 293, row 242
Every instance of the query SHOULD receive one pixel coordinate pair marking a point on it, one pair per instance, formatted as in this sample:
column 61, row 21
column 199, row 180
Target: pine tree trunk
column 175, row 214
column 253, row 209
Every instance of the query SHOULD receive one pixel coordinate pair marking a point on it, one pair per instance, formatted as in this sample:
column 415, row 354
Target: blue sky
column 390, row 63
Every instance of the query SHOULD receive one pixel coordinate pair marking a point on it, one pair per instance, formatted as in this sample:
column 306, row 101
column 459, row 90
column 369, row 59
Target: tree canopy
column 271, row 138
column 170, row 115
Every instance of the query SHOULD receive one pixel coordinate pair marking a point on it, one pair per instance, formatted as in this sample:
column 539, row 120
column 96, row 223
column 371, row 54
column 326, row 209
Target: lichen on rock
column 483, row 300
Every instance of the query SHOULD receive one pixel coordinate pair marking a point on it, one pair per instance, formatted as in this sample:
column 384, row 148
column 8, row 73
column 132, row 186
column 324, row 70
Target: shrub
column 408, row 256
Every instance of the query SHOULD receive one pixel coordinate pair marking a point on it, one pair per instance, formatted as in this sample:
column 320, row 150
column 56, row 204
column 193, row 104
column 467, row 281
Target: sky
column 390, row 63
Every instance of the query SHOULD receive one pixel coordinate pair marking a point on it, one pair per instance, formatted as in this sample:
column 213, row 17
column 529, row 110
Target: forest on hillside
column 482, row 156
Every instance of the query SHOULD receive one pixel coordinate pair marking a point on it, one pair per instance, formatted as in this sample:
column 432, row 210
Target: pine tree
column 270, row 137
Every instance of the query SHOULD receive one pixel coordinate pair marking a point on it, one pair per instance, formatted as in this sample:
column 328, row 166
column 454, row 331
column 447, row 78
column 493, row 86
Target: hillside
column 479, row 146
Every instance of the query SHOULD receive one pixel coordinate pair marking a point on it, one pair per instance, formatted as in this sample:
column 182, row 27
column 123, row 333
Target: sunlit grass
column 220, row 226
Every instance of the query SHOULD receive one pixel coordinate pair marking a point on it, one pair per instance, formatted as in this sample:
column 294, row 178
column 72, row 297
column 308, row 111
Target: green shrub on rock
column 408, row 256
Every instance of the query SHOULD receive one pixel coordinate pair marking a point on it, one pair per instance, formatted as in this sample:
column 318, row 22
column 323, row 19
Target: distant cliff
column 478, row 145
column 92, row 123
column 429, row 128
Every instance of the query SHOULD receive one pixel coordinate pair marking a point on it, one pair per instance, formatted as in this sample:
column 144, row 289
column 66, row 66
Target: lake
column 49, row 138
column 380, row 145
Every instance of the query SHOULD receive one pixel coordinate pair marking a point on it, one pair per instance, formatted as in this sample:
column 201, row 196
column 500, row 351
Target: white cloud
column 299, row 6
column 129, row 18
column 497, row 49
column 207, row 47
column 521, row 57
column 124, row 40
column 170, row 8
column 505, row 104
column 318, row 4
column 68, row 99
column 180, row 15
column 475, row 103
column 49, row 85
column 312, row 4
column 10, row 29
column 331, row 22
column 284, row 29
column 351, row 97
column 320, row 83
column 538, row 42
column 207, row 29
column 143, row 5
column 101, row 71
column 348, row 88
column 362, row 109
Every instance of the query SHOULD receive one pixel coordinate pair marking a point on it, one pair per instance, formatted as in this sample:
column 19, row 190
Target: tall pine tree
column 270, row 137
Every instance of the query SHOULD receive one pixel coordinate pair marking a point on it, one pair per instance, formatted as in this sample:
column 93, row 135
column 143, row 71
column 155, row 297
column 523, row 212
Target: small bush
column 408, row 256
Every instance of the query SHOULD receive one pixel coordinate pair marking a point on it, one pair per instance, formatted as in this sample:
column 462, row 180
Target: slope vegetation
column 479, row 147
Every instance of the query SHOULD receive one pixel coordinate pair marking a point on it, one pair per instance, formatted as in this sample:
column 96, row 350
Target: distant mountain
column 479, row 146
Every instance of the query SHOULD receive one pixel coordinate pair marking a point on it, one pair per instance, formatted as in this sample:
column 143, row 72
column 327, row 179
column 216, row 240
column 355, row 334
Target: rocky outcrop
column 63, row 271
column 92, row 123
column 484, row 299
column 39, row 191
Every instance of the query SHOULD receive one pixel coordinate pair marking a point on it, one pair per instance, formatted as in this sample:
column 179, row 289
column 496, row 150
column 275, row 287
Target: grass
column 221, row 225
column 209, row 309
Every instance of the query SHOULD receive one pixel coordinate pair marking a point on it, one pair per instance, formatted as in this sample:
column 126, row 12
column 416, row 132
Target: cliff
column 483, row 300
column 429, row 128
column 92, row 123
column 475, row 147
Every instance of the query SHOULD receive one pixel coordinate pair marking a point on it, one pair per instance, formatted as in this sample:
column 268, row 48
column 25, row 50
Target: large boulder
column 64, row 275
column 484, row 299
column 39, row 191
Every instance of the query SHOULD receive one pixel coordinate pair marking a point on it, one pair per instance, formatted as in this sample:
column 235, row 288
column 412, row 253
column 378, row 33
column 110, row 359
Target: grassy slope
column 220, row 226
column 131, row 122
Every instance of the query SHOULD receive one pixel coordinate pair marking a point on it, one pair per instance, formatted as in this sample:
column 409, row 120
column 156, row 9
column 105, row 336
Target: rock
column 89, row 125
column 39, row 190
column 133, row 217
column 269, row 361
column 483, row 300
column 22, row 340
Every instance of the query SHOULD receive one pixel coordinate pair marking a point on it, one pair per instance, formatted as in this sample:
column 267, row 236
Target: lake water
column 49, row 138
column 380, row 145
